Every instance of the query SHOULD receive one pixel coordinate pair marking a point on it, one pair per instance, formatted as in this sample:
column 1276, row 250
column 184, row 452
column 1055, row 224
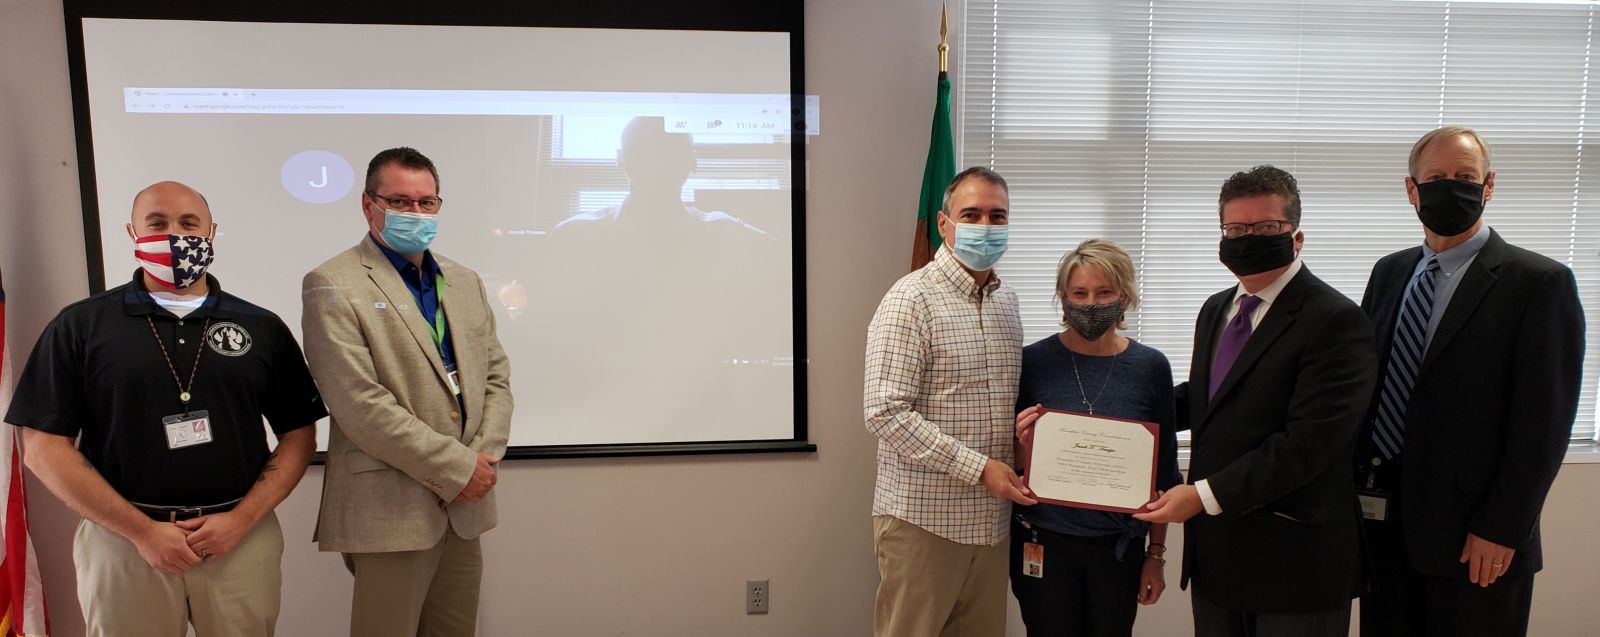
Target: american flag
column 22, row 609
column 174, row 260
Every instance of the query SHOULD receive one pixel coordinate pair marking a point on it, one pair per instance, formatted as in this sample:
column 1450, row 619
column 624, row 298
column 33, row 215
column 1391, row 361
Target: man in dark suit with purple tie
column 1282, row 370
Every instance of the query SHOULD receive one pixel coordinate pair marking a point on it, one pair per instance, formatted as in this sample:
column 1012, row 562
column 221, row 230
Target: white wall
column 646, row 546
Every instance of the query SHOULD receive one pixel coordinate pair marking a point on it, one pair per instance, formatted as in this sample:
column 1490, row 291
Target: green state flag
column 936, row 174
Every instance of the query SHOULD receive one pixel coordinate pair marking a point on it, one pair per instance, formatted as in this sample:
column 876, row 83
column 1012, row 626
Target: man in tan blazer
column 402, row 344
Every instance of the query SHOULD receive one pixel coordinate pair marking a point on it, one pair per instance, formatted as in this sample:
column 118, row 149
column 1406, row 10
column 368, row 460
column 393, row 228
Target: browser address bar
column 688, row 112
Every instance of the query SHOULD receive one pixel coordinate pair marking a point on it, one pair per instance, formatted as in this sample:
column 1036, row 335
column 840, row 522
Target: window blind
column 1121, row 119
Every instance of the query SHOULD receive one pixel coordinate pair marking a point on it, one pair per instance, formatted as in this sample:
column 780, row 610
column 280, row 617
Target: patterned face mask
column 176, row 261
column 1093, row 321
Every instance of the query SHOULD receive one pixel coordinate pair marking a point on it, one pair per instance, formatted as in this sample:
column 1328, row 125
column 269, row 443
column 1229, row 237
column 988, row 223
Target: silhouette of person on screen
column 684, row 288
column 657, row 164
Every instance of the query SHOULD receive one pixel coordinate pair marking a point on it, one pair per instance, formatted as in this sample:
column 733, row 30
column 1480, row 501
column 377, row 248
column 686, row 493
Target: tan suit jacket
column 398, row 449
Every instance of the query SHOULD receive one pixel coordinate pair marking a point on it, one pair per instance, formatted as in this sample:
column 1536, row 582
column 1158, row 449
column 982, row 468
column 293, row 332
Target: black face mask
column 1254, row 254
column 1093, row 321
column 1449, row 207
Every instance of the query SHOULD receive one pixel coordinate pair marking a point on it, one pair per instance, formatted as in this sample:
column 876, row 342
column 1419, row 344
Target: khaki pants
column 931, row 586
column 428, row 593
column 123, row 596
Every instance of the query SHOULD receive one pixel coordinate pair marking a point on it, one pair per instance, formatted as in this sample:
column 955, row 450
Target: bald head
column 169, row 207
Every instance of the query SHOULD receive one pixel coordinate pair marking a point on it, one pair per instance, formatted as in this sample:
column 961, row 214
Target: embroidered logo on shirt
column 228, row 339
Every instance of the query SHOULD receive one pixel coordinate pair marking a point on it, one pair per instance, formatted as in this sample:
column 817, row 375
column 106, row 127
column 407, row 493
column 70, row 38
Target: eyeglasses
column 1261, row 228
column 426, row 204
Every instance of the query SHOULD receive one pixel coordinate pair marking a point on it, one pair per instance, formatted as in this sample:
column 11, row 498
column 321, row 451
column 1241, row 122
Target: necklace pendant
column 185, row 398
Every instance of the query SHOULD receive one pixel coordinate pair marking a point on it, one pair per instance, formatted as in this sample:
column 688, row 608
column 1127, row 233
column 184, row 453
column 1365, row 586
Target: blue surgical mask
column 409, row 232
column 979, row 246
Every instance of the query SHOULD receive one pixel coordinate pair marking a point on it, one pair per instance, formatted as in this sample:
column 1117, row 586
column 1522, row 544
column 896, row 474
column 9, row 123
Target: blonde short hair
column 1111, row 260
column 1446, row 133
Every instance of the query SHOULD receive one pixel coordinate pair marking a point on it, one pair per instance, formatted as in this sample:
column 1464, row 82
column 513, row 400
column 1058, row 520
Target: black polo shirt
column 98, row 372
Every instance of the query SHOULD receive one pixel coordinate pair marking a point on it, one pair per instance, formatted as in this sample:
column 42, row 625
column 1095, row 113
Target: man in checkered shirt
column 944, row 353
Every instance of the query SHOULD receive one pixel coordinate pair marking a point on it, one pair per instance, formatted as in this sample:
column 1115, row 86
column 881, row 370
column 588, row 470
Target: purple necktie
column 1234, row 337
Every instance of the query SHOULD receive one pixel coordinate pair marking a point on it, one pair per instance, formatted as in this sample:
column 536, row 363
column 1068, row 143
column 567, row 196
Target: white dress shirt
column 1267, row 295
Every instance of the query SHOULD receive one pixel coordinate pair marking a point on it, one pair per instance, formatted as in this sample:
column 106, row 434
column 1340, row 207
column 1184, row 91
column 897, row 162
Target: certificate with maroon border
column 1092, row 462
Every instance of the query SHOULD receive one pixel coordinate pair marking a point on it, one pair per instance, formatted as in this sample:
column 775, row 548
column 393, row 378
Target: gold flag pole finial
column 944, row 47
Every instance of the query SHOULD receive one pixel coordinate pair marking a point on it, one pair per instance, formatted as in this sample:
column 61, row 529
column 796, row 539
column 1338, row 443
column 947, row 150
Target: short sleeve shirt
column 98, row 373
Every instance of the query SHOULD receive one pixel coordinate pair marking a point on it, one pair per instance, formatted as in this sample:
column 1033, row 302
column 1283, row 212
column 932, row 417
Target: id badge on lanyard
column 436, row 328
column 1374, row 501
column 187, row 429
column 1032, row 552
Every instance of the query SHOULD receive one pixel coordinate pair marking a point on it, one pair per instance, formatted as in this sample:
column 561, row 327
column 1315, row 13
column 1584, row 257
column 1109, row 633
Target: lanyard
column 437, row 327
column 183, row 390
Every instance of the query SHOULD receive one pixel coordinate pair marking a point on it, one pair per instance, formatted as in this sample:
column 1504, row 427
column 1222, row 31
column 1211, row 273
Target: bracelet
column 1158, row 558
column 1157, row 544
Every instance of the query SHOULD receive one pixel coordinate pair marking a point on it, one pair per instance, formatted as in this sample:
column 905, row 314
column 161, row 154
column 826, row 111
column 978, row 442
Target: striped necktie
column 1405, row 359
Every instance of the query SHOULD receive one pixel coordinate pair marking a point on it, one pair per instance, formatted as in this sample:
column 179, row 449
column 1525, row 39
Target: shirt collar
column 1452, row 259
column 949, row 268
column 1270, row 293
column 136, row 300
column 430, row 266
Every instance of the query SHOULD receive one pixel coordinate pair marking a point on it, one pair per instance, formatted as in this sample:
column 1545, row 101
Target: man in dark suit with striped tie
column 1482, row 352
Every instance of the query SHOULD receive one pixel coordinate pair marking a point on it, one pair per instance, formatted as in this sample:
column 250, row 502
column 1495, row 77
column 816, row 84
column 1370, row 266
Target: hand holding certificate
column 1092, row 462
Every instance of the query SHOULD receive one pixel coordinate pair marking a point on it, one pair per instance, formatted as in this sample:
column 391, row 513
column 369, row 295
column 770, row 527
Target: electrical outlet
column 757, row 596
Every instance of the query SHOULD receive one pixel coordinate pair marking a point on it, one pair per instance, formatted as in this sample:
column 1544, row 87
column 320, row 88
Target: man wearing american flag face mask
column 174, row 261
column 164, row 382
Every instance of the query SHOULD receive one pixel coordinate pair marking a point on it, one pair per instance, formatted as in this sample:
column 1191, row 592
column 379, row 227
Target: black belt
column 161, row 513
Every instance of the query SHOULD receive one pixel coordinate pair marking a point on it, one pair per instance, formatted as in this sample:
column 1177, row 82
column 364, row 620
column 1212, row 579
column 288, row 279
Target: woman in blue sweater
column 1097, row 565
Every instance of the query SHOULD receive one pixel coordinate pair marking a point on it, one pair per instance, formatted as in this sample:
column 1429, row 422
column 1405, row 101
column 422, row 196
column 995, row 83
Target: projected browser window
column 709, row 114
column 626, row 195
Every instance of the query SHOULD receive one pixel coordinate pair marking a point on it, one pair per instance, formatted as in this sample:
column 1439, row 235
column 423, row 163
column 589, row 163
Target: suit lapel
column 1209, row 325
column 1280, row 315
column 1479, row 278
column 1391, row 294
column 399, row 297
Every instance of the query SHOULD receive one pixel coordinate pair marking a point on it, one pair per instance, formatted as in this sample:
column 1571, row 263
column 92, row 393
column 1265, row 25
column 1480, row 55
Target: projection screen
column 632, row 197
